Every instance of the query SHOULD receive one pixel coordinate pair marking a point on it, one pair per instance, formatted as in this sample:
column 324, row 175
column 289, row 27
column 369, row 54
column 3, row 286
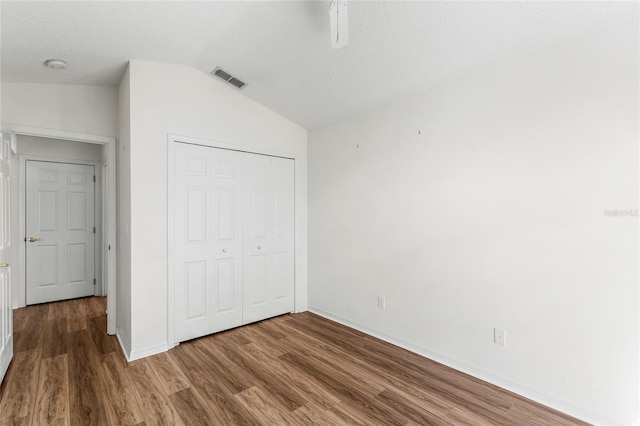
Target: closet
column 233, row 239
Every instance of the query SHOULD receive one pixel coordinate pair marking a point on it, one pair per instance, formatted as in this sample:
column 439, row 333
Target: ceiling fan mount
column 339, row 23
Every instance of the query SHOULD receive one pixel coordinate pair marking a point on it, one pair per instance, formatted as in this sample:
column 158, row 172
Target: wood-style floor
column 296, row 369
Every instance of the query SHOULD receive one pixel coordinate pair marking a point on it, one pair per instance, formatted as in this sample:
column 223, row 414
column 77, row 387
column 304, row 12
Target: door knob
column 259, row 247
column 4, row 265
column 224, row 250
column 33, row 239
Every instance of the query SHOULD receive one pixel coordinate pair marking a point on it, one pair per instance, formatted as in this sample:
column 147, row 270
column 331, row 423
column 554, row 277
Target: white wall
column 123, row 292
column 82, row 109
column 482, row 204
column 56, row 148
column 173, row 99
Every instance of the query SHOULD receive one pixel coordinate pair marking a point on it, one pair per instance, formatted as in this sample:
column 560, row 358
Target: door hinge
column 94, row 229
column 94, row 178
column 94, row 281
column 109, row 247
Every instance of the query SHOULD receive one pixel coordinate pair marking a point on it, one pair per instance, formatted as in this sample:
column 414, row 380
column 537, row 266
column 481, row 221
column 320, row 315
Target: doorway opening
column 36, row 144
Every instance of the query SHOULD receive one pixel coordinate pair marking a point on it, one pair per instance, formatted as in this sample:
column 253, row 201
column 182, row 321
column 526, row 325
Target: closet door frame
column 299, row 253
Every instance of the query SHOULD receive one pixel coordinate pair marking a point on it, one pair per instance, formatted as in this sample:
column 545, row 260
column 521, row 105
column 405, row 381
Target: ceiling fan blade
column 339, row 23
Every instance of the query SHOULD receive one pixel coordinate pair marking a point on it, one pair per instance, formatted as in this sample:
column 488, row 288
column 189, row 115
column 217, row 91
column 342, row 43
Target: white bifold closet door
column 233, row 239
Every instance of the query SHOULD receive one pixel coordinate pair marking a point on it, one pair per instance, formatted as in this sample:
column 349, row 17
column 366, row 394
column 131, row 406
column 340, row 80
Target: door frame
column 99, row 290
column 6, row 352
column 108, row 209
column 299, row 246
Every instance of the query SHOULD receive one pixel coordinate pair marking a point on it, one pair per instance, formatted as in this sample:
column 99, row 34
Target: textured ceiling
column 282, row 48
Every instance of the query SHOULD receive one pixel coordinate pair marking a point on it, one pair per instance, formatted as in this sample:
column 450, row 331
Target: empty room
column 319, row 212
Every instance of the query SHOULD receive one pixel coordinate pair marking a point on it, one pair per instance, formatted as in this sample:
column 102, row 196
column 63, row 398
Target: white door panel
column 6, row 313
column 282, row 296
column 60, row 226
column 258, row 228
column 227, row 232
column 232, row 211
column 193, row 242
column 208, row 270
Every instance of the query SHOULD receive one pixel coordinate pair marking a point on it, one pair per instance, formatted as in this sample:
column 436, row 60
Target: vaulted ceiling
column 282, row 48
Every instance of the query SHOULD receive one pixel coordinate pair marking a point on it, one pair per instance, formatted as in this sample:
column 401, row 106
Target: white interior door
column 227, row 238
column 283, row 238
column 208, row 244
column 6, row 313
column 60, row 227
column 268, row 237
column 258, row 227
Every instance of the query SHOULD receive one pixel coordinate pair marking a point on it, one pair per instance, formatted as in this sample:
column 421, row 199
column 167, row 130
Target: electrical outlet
column 499, row 337
column 382, row 302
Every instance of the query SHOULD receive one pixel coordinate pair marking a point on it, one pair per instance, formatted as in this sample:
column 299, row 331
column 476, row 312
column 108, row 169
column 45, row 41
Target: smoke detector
column 220, row 73
column 55, row 64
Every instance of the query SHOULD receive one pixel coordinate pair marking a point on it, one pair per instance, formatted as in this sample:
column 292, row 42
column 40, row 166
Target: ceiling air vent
column 218, row 72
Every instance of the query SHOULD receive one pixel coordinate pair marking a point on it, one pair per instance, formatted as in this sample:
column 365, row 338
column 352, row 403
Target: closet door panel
column 283, row 238
column 193, row 242
column 258, row 244
column 227, row 234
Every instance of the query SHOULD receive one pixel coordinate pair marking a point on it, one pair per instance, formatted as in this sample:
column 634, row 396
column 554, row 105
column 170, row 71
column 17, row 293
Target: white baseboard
column 126, row 350
column 140, row 353
column 143, row 353
column 576, row 412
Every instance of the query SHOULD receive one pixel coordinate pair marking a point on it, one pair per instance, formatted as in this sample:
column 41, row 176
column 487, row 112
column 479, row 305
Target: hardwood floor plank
column 191, row 407
column 52, row 405
column 444, row 376
column 344, row 365
column 219, row 401
column 416, row 395
column 527, row 413
column 264, row 407
column 32, row 332
column 97, row 327
column 157, row 407
column 96, row 306
column 350, row 393
column 85, row 387
column 231, row 377
column 269, row 328
column 267, row 344
column 20, row 319
column 78, row 315
column 343, row 415
column 288, row 397
column 485, row 403
column 235, row 336
column 312, row 415
column 55, row 338
column 463, row 417
column 122, row 405
column 410, row 410
column 327, row 332
column 171, row 378
column 363, row 384
column 425, row 398
column 19, row 398
column 309, row 388
column 57, row 310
